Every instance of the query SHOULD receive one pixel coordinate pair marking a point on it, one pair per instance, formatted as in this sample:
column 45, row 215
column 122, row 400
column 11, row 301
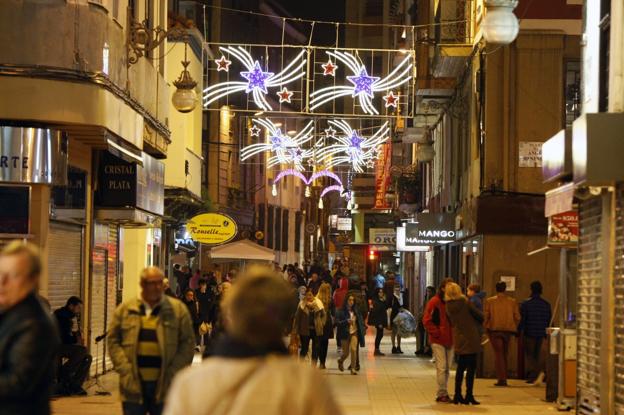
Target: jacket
column 176, row 339
column 206, row 305
column 378, row 315
column 361, row 301
column 535, row 316
column 465, row 320
column 342, row 324
column 477, row 300
column 341, row 293
column 29, row 343
column 501, row 314
column 301, row 324
column 251, row 383
column 64, row 318
column 436, row 322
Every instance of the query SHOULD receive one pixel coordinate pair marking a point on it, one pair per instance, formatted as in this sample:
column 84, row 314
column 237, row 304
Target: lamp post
column 184, row 99
column 500, row 25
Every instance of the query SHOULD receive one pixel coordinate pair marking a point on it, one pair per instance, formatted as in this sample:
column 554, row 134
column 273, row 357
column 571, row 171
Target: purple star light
column 355, row 145
column 256, row 78
column 277, row 141
column 363, row 84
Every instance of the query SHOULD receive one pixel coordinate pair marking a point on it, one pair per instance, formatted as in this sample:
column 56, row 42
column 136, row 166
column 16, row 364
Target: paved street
column 389, row 385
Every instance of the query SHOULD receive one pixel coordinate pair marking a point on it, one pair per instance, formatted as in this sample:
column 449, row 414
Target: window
column 285, row 220
column 278, row 229
column 572, row 91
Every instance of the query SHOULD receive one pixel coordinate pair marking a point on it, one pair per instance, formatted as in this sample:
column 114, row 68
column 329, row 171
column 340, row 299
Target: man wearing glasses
column 150, row 339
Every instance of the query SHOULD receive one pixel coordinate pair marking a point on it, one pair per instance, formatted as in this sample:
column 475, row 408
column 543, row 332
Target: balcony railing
column 455, row 22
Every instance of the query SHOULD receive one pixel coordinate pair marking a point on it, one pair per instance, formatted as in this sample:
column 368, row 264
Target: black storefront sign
column 72, row 196
column 430, row 229
column 122, row 184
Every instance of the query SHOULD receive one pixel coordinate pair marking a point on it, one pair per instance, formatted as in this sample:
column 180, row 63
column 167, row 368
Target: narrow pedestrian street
column 389, row 385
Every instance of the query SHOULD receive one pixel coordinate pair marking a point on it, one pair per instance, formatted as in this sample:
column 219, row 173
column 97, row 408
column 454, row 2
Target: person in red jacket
column 440, row 338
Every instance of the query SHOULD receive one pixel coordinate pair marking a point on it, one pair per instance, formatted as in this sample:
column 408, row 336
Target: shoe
column 340, row 365
column 539, row 380
column 197, row 349
column 378, row 353
column 353, row 372
column 501, row 383
column 78, row 392
column 419, row 353
column 357, row 367
column 470, row 400
column 395, row 350
column 322, row 366
column 457, row 399
column 443, row 399
column 399, row 351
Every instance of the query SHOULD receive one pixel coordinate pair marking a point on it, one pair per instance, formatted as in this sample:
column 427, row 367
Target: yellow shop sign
column 212, row 228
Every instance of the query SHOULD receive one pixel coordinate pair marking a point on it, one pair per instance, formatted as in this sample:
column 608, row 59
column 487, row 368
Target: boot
column 399, row 351
column 470, row 400
column 378, row 353
column 457, row 399
column 395, row 350
column 340, row 366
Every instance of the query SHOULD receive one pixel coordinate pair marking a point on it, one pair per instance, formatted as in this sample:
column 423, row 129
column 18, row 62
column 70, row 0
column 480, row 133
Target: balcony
column 454, row 36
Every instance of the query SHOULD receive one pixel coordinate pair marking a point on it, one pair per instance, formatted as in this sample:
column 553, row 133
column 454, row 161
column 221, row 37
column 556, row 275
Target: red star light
column 391, row 99
column 223, row 64
column 329, row 68
column 284, row 95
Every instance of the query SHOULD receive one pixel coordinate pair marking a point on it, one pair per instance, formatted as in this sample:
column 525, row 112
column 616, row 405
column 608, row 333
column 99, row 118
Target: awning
column 559, row 200
column 242, row 250
column 128, row 217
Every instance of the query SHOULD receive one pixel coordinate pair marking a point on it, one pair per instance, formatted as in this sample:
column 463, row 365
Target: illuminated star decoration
column 363, row 85
column 284, row 95
column 283, row 149
column 255, row 131
column 329, row 68
column 391, row 99
column 351, row 148
column 256, row 81
column 223, row 64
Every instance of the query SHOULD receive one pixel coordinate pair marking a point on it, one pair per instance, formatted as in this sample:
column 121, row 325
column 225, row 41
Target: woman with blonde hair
column 465, row 320
column 324, row 295
column 254, row 371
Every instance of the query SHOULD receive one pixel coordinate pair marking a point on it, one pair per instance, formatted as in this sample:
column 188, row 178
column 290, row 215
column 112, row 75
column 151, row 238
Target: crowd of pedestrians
column 153, row 338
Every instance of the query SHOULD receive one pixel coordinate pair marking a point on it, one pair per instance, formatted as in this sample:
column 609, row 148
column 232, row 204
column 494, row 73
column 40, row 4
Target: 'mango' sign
column 430, row 229
column 212, row 228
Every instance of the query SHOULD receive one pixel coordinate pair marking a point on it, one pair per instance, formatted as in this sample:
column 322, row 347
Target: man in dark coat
column 535, row 314
column 75, row 359
column 29, row 340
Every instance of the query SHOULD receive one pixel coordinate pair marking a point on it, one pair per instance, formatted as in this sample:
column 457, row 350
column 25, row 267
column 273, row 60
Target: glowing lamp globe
column 184, row 100
column 500, row 25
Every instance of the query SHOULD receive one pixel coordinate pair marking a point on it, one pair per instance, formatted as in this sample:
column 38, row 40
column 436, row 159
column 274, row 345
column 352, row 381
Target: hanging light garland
column 308, row 181
column 364, row 85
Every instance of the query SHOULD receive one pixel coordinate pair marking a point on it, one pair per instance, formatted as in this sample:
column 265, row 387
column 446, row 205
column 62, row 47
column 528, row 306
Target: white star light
column 255, row 131
column 353, row 149
column 284, row 149
column 364, row 86
column 256, row 80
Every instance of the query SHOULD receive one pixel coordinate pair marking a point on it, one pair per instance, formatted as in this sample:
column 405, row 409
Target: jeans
column 500, row 343
column 467, row 363
column 149, row 405
column 379, row 336
column 534, row 356
column 443, row 361
column 74, row 371
column 350, row 347
column 305, row 346
column 323, row 345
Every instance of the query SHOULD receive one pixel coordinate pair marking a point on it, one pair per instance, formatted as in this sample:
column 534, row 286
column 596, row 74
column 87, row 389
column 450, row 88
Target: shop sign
column 74, row 194
column 33, row 155
column 530, row 153
column 401, row 246
column 345, row 224
column 212, row 228
column 382, row 177
column 123, row 184
column 430, row 229
column 382, row 236
column 563, row 229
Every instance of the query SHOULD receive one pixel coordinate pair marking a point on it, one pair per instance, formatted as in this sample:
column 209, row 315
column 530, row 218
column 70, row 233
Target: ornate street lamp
column 500, row 25
column 185, row 97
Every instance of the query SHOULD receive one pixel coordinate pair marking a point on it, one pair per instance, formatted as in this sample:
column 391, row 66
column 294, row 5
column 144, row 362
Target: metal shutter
column 64, row 263
column 618, row 283
column 589, row 306
column 111, row 280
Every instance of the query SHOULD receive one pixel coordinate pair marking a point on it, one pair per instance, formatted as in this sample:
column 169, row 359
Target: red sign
column 563, row 229
column 382, row 177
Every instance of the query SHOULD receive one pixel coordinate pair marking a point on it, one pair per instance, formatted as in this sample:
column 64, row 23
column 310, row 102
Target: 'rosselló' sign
column 430, row 229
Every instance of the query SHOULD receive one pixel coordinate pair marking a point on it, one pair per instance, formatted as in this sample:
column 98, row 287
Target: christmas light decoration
column 364, row 85
column 257, row 80
column 309, row 181
column 391, row 100
column 223, row 64
column 285, row 149
column 356, row 150
column 329, row 68
column 285, row 95
column 333, row 188
column 255, row 131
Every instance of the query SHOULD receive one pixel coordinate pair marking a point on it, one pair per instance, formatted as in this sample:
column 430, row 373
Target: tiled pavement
column 390, row 385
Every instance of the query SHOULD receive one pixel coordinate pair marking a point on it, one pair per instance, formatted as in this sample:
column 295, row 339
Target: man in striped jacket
column 149, row 340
